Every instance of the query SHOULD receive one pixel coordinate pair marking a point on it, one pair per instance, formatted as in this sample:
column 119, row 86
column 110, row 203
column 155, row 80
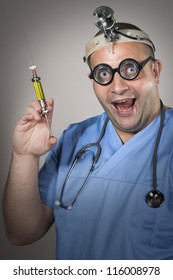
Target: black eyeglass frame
column 139, row 65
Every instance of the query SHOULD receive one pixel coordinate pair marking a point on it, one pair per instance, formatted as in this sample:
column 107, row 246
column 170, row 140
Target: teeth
column 124, row 105
column 121, row 101
column 124, row 109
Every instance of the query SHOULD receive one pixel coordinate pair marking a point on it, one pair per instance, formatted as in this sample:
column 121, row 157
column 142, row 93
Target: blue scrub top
column 110, row 219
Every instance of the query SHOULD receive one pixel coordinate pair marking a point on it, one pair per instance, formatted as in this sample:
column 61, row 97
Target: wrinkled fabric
column 110, row 219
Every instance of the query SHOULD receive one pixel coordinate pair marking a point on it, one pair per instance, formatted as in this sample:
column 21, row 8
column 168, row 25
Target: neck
column 124, row 136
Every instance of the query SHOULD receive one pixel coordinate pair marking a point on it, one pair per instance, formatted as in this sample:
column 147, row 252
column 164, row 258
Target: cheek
column 100, row 93
column 147, row 88
column 98, row 90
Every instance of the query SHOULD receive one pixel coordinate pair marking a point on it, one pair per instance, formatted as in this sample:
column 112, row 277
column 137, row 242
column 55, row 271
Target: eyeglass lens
column 128, row 69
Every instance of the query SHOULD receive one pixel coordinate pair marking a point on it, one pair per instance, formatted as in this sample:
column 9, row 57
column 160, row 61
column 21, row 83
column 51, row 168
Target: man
column 119, row 207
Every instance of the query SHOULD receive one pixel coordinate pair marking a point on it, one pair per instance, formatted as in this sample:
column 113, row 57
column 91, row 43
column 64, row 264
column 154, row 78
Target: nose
column 119, row 85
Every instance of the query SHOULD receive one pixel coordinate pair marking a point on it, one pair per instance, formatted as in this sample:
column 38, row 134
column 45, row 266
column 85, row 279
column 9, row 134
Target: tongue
column 123, row 106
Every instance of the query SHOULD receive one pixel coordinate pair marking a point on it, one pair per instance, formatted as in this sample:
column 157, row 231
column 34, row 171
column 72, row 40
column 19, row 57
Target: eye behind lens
column 129, row 69
column 102, row 74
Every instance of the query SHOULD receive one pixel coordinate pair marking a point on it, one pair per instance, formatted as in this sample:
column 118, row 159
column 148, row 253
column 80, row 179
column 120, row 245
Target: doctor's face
column 130, row 104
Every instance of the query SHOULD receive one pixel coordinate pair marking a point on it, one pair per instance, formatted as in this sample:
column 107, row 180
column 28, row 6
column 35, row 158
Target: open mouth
column 124, row 105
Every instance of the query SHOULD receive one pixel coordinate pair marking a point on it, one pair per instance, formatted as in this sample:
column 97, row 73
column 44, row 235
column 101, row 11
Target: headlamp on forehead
column 106, row 21
column 113, row 32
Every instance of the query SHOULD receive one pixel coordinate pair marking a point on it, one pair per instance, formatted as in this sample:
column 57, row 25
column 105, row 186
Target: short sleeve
column 48, row 174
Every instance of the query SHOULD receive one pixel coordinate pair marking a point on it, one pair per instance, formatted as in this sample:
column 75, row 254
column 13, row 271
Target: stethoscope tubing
column 77, row 157
column 154, row 198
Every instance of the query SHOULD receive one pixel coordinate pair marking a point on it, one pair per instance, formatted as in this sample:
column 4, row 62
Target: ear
column 89, row 76
column 157, row 67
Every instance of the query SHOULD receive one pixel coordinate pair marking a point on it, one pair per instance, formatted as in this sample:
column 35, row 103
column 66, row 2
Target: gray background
column 57, row 32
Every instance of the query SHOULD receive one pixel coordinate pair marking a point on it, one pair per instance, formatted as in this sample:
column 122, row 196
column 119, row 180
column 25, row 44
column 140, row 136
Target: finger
column 50, row 106
column 36, row 105
column 27, row 117
column 34, row 111
column 50, row 102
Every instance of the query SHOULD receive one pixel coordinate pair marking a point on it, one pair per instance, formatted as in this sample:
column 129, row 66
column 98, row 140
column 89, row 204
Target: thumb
column 52, row 141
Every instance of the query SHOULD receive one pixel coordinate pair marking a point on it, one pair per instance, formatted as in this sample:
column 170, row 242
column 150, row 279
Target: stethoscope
column 154, row 198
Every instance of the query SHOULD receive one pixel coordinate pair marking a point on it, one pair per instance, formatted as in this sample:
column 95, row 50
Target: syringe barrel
column 38, row 88
column 39, row 94
column 36, row 81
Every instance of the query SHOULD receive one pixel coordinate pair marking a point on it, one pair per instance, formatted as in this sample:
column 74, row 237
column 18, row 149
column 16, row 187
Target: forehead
column 115, row 53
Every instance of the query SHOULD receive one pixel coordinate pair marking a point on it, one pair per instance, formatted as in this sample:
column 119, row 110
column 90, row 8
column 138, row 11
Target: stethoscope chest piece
column 155, row 199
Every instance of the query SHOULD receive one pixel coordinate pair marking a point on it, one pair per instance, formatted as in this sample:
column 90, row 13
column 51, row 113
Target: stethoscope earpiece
column 155, row 199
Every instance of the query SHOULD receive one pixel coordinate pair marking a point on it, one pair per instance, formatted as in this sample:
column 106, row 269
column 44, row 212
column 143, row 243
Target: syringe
column 40, row 96
column 39, row 91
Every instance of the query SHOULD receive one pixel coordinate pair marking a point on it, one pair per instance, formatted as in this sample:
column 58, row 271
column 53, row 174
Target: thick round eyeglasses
column 128, row 69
